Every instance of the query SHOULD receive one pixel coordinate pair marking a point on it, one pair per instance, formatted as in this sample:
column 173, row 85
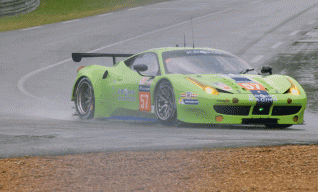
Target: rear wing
column 77, row 57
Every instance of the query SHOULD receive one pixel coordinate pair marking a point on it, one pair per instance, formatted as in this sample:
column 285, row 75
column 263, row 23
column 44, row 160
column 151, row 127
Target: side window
column 149, row 59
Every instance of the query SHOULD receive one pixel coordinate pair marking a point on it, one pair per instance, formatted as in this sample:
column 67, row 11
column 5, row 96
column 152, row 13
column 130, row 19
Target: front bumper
column 245, row 111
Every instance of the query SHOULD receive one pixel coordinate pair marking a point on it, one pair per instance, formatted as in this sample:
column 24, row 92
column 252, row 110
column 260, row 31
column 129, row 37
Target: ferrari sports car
column 191, row 85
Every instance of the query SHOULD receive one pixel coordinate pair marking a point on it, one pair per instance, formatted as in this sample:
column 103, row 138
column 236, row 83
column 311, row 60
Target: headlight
column 293, row 89
column 206, row 88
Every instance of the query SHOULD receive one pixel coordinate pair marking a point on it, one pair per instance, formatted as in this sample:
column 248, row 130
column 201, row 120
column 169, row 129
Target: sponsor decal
column 242, row 80
column 203, row 52
column 126, row 95
column 262, row 97
column 188, row 95
column 224, row 101
column 126, row 92
column 222, row 86
column 259, row 92
column 144, row 88
column 188, row 101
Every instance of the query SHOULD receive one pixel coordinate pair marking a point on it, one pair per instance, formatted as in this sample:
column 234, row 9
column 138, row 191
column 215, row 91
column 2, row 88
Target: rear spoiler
column 77, row 57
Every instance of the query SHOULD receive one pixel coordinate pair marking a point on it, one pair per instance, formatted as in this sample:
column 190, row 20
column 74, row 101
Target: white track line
column 277, row 45
column 26, row 29
column 161, row 3
column 24, row 78
column 27, row 76
column 258, row 58
column 294, row 33
column 71, row 21
column 134, row 8
column 254, row 2
column 104, row 14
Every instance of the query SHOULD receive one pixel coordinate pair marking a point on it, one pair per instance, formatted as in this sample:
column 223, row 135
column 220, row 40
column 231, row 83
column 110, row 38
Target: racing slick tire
column 165, row 105
column 278, row 126
column 85, row 99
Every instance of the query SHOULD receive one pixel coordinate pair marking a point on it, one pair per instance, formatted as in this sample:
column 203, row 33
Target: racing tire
column 165, row 105
column 85, row 99
column 278, row 126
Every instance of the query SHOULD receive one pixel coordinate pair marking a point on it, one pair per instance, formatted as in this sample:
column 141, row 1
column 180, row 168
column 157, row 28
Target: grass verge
column 52, row 11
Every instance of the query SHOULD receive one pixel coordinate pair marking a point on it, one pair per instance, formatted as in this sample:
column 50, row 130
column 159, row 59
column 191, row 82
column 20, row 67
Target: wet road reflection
column 301, row 63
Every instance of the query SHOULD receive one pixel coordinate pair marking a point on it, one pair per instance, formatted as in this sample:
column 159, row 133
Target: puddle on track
column 301, row 63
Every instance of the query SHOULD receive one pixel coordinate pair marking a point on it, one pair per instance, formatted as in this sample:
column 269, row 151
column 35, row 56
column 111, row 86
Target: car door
column 134, row 89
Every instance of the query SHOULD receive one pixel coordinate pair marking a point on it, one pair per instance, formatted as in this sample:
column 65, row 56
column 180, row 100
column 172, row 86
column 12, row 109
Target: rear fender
column 94, row 73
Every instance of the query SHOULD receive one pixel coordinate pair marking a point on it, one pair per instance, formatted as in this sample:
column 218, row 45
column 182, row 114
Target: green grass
column 52, row 11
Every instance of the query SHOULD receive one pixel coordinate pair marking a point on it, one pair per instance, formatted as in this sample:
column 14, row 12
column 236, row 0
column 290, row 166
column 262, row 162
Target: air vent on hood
column 222, row 91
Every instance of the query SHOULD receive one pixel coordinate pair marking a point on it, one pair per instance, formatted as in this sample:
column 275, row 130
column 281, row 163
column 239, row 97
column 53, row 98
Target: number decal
column 252, row 86
column 144, row 101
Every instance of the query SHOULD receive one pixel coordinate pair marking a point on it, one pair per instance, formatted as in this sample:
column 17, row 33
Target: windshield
column 194, row 61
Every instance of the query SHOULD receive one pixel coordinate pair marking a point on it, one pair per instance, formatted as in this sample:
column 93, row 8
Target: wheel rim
column 165, row 102
column 84, row 98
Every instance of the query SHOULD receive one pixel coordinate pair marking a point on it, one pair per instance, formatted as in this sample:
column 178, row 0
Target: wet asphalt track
column 36, row 73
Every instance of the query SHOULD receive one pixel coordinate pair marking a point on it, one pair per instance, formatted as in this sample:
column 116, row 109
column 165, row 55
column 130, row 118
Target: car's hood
column 237, row 83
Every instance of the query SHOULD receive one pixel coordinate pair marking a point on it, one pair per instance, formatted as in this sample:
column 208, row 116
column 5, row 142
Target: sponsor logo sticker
column 203, row 52
column 262, row 97
column 126, row 95
column 224, row 101
column 144, row 88
column 188, row 101
column 188, row 95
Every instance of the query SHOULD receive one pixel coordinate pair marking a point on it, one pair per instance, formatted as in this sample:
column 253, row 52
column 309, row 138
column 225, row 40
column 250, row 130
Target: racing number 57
column 252, row 86
column 144, row 101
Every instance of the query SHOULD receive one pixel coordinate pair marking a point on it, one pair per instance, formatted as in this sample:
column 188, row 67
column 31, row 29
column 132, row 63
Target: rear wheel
column 165, row 106
column 85, row 99
column 278, row 126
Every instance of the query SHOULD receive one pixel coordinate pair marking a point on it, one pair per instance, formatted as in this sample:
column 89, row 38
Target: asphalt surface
column 37, row 74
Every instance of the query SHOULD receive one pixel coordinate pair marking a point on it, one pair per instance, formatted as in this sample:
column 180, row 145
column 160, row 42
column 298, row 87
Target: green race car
column 193, row 85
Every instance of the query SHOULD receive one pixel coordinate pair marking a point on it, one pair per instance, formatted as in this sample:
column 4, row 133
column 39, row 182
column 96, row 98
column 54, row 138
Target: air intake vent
column 285, row 110
column 233, row 110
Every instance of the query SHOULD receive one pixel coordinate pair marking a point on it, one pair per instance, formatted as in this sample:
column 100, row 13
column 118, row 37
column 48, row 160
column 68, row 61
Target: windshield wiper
column 246, row 70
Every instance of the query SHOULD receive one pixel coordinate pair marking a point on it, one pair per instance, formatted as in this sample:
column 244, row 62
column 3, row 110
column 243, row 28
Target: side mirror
column 267, row 69
column 140, row 67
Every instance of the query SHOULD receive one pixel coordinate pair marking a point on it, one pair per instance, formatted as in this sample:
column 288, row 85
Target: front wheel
column 278, row 126
column 165, row 106
column 85, row 99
